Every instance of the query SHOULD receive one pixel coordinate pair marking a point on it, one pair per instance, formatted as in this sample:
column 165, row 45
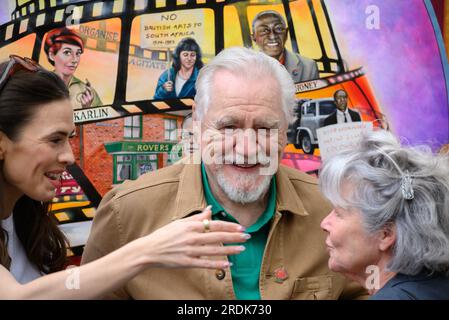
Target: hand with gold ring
column 191, row 242
column 206, row 225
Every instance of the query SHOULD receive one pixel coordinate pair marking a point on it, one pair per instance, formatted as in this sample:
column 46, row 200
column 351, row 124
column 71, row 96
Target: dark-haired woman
column 36, row 122
column 179, row 80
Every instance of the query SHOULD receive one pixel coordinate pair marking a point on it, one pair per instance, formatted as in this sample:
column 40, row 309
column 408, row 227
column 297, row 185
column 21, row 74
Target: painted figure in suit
column 270, row 34
column 343, row 113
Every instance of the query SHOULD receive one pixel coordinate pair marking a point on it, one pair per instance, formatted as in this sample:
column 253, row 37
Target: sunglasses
column 15, row 64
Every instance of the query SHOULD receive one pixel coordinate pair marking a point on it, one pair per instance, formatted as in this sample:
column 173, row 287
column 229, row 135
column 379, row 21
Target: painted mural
column 380, row 62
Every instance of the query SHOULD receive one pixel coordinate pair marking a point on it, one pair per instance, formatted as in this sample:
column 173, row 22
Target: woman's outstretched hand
column 188, row 242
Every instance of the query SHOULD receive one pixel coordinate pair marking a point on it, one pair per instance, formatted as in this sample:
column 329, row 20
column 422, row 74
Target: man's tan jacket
column 294, row 265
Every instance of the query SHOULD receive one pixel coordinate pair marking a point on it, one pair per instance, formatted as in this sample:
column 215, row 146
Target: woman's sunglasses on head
column 15, row 64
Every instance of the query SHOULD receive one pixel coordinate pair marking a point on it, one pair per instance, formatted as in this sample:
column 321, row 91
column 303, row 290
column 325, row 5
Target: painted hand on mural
column 86, row 97
column 168, row 86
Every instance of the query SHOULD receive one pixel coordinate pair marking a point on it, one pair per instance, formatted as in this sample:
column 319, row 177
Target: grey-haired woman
column 389, row 229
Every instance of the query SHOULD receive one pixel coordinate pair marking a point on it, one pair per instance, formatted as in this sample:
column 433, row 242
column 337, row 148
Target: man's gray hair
column 379, row 173
column 268, row 13
column 248, row 64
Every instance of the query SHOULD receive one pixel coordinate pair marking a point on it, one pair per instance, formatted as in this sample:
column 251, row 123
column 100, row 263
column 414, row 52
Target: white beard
column 245, row 189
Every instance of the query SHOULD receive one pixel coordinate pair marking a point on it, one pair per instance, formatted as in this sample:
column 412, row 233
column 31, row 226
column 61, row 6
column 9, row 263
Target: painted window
column 132, row 128
column 131, row 166
column 171, row 127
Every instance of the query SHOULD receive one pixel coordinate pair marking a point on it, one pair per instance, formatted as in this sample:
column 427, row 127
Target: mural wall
column 357, row 65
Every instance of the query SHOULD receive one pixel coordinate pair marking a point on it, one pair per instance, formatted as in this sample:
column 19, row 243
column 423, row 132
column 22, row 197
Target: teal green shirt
column 245, row 269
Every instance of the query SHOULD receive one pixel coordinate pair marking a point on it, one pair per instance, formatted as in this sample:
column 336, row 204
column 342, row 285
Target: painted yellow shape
column 66, row 205
column 23, row 25
column 59, row 15
column 131, row 108
column 89, row 212
column 62, row 216
column 9, row 30
column 140, row 5
column 40, row 20
column 187, row 102
column 97, row 10
column 118, row 6
column 161, row 105
column 161, row 3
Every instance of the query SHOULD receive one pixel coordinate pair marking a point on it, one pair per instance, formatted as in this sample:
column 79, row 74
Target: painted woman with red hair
column 64, row 48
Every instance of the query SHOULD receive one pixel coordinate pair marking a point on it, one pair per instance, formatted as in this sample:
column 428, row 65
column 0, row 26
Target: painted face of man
column 270, row 35
column 341, row 100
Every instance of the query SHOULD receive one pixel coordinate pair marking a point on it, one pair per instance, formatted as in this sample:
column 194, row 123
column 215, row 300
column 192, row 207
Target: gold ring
column 206, row 225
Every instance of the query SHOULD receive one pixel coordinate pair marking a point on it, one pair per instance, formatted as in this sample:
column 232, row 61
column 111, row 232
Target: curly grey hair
column 375, row 171
column 251, row 65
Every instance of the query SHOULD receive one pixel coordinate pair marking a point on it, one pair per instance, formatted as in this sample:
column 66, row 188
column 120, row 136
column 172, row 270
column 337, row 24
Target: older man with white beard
column 243, row 105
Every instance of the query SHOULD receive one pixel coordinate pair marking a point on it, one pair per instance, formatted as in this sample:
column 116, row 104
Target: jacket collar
column 291, row 60
column 287, row 198
column 190, row 197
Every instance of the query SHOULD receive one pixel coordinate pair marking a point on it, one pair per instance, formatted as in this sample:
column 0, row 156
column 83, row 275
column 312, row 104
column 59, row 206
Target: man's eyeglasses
column 15, row 64
column 265, row 30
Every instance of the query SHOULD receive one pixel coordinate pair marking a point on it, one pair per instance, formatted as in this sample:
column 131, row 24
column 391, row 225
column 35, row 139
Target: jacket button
column 220, row 274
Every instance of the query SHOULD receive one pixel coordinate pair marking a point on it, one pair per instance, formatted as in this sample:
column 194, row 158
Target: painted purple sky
column 6, row 7
column 402, row 62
